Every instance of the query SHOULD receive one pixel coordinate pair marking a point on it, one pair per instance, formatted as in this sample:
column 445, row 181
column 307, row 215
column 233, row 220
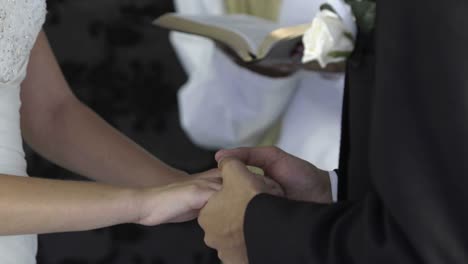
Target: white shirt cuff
column 334, row 185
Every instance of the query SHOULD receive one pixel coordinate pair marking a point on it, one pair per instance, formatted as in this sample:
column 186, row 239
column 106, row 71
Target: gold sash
column 268, row 9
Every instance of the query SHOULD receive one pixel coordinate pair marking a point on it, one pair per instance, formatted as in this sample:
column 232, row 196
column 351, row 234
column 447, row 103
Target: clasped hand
column 222, row 218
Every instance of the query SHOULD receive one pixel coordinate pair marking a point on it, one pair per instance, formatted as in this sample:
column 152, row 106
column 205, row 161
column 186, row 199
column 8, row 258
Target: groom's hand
column 299, row 179
column 223, row 216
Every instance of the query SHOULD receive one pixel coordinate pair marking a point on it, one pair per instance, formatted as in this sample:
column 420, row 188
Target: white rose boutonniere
column 331, row 36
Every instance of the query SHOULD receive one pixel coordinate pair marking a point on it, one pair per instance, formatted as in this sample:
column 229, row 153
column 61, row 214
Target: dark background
column 126, row 70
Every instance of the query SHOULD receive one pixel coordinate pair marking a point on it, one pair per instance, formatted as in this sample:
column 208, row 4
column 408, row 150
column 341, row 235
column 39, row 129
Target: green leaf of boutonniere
column 327, row 7
column 364, row 11
column 349, row 36
column 339, row 54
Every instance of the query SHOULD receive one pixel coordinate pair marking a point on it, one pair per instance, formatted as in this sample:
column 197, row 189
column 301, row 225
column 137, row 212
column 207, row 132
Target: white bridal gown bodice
column 20, row 23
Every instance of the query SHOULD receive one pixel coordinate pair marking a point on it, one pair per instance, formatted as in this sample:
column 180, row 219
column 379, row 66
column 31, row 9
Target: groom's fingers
column 262, row 157
column 273, row 187
column 232, row 167
column 236, row 172
column 233, row 170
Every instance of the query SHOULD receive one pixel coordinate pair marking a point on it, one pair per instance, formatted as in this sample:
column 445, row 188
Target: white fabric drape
column 223, row 105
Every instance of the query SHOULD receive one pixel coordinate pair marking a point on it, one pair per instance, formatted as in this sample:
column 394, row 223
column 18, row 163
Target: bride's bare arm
column 59, row 127
column 31, row 206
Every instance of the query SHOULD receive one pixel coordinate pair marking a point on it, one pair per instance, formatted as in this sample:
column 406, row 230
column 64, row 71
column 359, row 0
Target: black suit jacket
column 404, row 159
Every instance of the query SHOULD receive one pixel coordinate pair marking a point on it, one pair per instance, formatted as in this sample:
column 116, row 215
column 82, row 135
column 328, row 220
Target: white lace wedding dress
column 20, row 23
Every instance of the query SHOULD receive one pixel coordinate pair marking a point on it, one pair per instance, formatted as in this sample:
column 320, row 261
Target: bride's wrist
column 133, row 205
column 147, row 206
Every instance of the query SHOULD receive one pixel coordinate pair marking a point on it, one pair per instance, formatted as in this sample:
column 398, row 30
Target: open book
column 251, row 38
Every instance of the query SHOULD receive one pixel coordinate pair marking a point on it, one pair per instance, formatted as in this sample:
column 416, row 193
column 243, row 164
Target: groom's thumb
column 232, row 169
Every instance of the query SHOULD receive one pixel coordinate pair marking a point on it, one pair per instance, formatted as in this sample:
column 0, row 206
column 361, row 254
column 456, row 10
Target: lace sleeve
column 20, row 23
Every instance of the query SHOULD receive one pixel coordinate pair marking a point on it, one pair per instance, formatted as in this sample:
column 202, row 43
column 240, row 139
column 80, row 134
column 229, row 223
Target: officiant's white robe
column 223, row 105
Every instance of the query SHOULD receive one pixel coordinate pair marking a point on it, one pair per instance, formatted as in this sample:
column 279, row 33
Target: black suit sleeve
column 418, row 158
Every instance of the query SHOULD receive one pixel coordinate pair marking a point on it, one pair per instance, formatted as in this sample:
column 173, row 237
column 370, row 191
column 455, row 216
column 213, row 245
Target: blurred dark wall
column 126, row 70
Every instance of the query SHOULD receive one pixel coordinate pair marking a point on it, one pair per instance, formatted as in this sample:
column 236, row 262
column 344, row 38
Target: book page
column 278, row 36
column 254, row 30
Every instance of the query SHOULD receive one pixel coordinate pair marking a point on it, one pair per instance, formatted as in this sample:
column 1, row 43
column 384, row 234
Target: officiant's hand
column 223, row 216
column 275, row 70
column 299, row 179
column 280, row 70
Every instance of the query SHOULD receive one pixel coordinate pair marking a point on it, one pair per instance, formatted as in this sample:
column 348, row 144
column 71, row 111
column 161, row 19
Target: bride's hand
column 178, row 202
